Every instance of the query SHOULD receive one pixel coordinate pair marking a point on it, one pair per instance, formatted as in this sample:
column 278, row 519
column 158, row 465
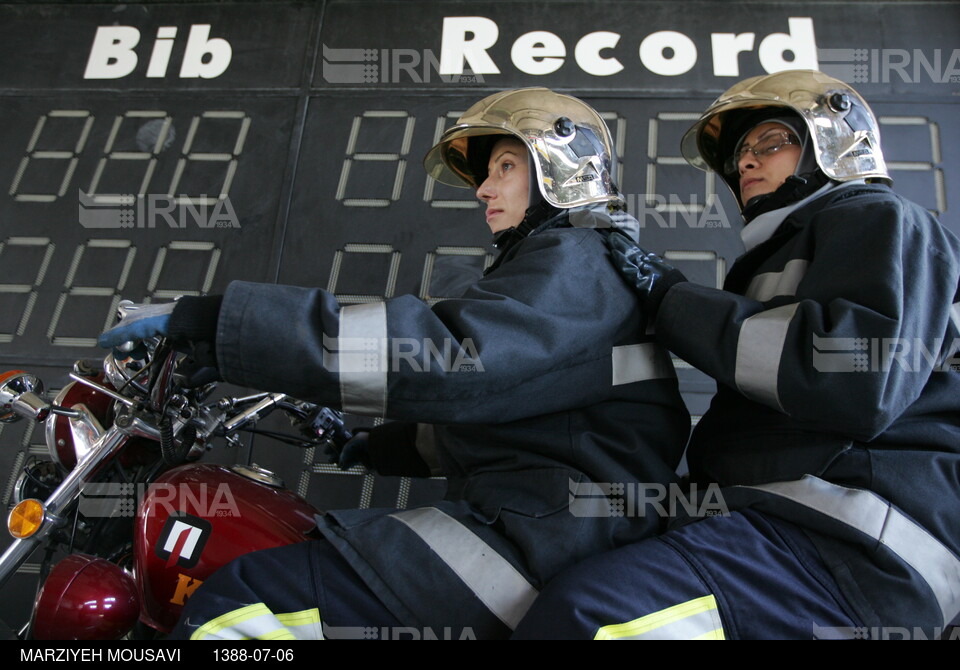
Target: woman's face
column 764, row 174
column 506, row 190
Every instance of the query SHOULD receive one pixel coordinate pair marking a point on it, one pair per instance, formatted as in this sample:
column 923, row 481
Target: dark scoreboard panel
column 150, row 150
column 153, row 150
column 149, row 198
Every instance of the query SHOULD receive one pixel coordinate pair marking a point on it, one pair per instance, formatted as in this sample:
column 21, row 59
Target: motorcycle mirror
column 20, row 397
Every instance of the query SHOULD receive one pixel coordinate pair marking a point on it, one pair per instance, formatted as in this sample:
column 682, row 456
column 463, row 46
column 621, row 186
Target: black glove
column 193, row 330
column 194, row 318
column 644, row 271
column 389, row 449
column 356, row 451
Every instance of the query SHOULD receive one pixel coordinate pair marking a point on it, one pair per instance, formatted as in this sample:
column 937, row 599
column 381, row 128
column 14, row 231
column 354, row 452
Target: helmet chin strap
column 534, row 216
column 794, row 188
column 503, row 240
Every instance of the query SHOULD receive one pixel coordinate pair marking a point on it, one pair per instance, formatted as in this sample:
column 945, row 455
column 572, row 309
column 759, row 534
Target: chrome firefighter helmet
column 570, row 146
column 840, row 124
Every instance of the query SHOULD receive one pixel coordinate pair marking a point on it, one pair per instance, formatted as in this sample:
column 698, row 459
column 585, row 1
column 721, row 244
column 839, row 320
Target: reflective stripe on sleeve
column 362, row 358
column 770, row 284
column 497, row 584
column 879, row 520
column 640, row 362
column 696, row 619
column 759, row 349
column 257, row 622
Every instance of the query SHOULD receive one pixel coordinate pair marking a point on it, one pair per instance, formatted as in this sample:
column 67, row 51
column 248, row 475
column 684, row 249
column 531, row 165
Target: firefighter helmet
column 841, row 126
column 570, row 146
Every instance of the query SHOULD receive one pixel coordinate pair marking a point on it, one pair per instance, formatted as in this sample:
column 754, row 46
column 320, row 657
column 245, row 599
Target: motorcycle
column 135, row 428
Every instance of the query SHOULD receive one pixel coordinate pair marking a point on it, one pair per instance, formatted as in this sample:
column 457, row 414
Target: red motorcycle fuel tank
column 196, row 518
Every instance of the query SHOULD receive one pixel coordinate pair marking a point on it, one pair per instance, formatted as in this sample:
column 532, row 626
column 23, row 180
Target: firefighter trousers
column 742, row 576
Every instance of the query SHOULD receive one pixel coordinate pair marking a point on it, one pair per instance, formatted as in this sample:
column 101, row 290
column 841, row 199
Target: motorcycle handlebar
column 143, row 417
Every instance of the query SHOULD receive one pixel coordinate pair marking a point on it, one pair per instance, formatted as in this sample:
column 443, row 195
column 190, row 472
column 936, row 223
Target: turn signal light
column 25, row 519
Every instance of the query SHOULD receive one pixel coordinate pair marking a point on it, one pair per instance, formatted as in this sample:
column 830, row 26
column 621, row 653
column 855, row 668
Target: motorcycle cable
column 283, row 437
column 73, row 530
column 172, row 453
column 159, row 397
column 298, row 410
column 42, row 489
column 138, row 373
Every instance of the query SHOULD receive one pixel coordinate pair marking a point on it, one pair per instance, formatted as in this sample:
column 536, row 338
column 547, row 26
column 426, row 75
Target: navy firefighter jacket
column 835, row 347
column 549, row 383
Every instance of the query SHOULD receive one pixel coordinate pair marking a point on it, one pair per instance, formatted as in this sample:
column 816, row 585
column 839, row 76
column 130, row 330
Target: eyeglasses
column 766, row 146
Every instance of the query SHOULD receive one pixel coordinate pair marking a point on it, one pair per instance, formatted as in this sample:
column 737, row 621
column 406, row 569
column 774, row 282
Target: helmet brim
column 455, row 160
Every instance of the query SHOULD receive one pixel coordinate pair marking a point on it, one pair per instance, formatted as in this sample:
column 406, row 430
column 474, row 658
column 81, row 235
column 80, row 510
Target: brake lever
column 254, row 413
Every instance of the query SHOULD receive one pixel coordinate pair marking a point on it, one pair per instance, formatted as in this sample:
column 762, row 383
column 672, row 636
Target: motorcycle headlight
column 68, row 439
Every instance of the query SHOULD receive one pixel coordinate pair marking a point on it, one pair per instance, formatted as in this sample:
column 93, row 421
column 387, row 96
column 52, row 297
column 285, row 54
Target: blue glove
column 138, row 322
column 647, row 273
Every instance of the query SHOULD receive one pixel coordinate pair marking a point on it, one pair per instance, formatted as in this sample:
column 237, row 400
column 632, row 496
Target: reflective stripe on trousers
column 257, row 622
column 877, row 519
column 495, row 582
column 696, row 619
